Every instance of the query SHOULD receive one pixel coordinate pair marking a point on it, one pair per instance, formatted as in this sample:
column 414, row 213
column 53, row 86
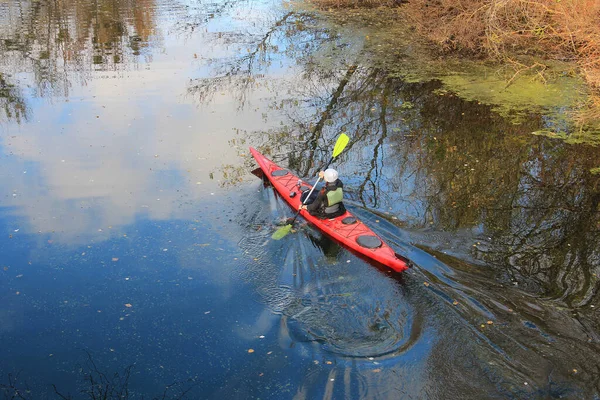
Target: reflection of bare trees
column 240, row 73
column 471, row 169
column 454, row 165
column 14, row 388
column 58, row 41
column 534, row 201
column 95, row 385
column 12, row 104
column 292, row 34
column 202, row 12
column 431, row 158
column 314, row 134
column 550, row 225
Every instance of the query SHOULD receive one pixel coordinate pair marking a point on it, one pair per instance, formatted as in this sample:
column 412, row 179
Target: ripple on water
column 350, row 309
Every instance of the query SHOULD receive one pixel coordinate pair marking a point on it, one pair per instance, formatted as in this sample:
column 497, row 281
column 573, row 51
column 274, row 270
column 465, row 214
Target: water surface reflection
column 477, row 191
column 135, row 231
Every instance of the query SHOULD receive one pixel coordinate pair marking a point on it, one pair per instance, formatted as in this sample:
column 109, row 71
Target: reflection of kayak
column 346, row 229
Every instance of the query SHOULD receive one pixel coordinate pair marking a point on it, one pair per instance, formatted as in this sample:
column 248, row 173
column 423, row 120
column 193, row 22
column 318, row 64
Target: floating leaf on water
column 115, row 259
column 128, row 305
column 426, row 284
column 455, row 302
column 490, row 322
column 376, row 370
column 250, row 350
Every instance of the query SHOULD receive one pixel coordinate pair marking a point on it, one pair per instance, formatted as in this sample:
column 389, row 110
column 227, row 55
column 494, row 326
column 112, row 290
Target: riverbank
column 522, row 37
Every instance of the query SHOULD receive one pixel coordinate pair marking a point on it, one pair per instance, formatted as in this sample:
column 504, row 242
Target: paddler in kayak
column 328, row 203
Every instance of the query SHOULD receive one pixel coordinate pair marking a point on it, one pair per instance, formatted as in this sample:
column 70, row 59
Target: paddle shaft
column 309, row 193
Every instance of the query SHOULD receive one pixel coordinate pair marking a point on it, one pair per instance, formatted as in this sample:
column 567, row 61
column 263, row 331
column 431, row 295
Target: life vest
column 334, row 199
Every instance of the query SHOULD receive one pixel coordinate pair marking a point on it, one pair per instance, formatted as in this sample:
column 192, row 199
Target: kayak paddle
column 340, row 145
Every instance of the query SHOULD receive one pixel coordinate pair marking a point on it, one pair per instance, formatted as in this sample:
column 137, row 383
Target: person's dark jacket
column 321, row 207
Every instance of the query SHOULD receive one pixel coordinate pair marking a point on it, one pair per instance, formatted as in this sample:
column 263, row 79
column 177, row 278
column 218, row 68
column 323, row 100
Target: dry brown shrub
column 555, row 29
column 589, row 114
column 580, row 29
column 564, row 29
column 490, row 26
column 452, row 24
column 339, row 4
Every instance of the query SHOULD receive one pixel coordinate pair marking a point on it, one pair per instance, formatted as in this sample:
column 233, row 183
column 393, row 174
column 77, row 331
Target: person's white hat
column 330, row 175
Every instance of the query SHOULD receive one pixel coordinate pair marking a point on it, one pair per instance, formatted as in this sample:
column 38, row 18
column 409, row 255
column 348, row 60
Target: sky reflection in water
column 135, row 235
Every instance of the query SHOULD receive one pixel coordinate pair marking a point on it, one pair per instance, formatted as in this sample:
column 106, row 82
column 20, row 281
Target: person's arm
column 318, row 200
column 315, row 205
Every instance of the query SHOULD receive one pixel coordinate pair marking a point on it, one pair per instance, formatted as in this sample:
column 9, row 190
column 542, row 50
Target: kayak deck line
column 355, row 234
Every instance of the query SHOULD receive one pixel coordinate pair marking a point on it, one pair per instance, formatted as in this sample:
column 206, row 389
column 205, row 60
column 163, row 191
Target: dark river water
column 136, row 258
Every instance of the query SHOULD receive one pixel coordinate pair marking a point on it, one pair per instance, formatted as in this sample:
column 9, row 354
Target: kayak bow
column 346, row 229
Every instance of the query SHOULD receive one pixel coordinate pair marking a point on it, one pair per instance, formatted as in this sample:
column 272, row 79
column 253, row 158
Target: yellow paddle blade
column 340, row 145
column 282, row 232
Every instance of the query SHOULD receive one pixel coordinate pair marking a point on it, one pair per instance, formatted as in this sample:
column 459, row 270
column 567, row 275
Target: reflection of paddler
column 328, row 203
column 330, row 249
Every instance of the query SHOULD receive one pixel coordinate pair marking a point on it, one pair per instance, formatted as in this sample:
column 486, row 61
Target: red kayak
column 346, row 228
